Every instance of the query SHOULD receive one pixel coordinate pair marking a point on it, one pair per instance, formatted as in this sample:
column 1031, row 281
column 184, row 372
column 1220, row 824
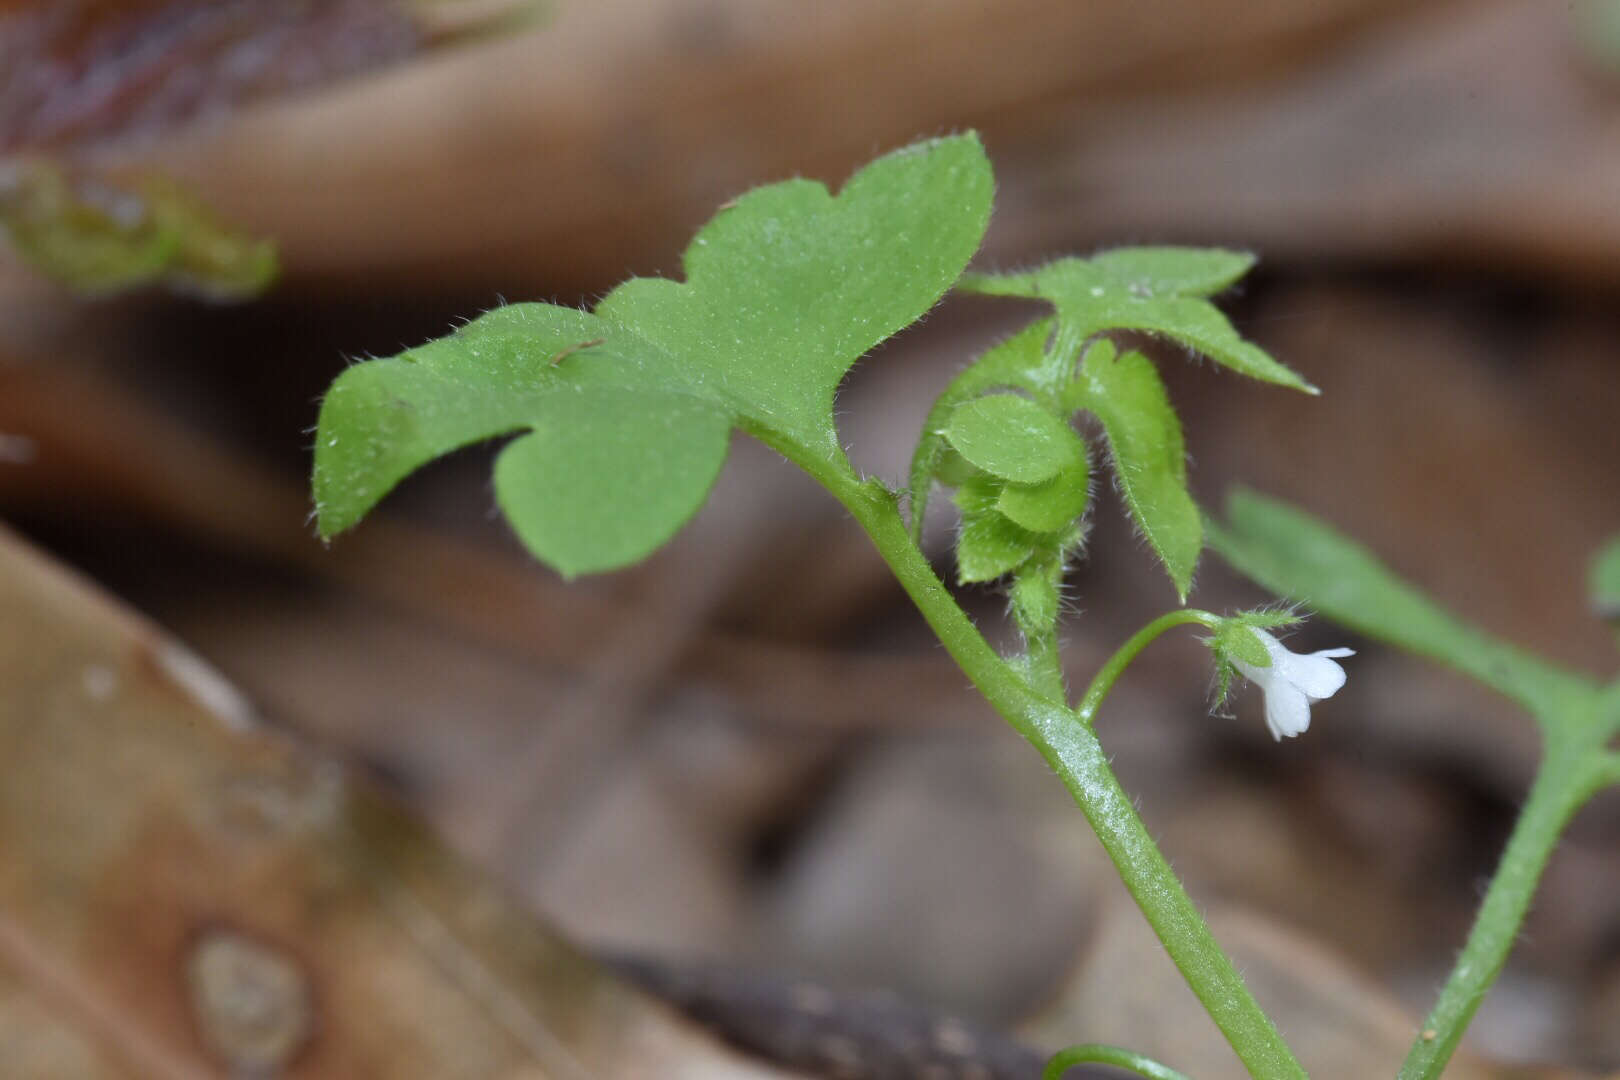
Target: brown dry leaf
column 1478, row 135
column 596, row 146
column 85, row 444
column 185, row 891
column 84, row 71
column 84, row 82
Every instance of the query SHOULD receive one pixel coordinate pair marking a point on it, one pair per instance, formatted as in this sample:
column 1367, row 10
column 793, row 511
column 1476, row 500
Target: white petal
column 1260, row 676
column 1316, row 675
column 1288, row 712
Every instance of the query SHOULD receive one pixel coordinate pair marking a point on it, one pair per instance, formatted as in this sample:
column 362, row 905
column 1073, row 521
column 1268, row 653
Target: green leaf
column 1166, row 271
column 787, row 287
column 1050, row 505
column 627, row 409
column 68, row 229
column 1605, row 580
column 587, row 490
column 1149, row 455
column 1154, row 290
column 1303, row 558
column 1011, row 437
column 1020, row 362
column 989, row 545
column 953, row 470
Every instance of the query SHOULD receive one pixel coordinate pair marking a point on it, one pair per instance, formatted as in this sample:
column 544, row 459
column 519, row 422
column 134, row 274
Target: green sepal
column 1237, row 641
column 1035, row 595
column 1234, row 640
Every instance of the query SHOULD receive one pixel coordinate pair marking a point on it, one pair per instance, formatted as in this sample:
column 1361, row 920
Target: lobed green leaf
column 1154, row 290
column 627, row 408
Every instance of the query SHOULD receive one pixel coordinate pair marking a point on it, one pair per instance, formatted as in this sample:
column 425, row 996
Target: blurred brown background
column 747, row 749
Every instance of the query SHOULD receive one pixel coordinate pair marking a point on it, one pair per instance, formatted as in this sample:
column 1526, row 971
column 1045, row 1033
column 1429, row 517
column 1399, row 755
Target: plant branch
column 1560, row 787
column 1110, row 672
column 1072, row 749
column 1044, row 663
column 1100, row 1054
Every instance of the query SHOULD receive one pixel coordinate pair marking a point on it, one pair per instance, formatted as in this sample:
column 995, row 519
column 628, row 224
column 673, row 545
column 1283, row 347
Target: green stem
column 1072, row 749
column 1605, row 771
column 1562, row 784
column 1110, row 672
column 1044, row 661
column 1100, row 1054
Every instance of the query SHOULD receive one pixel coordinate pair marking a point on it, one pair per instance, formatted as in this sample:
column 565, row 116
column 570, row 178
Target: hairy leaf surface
column 622, row 413
column 1155, row 290
column 1149, row 454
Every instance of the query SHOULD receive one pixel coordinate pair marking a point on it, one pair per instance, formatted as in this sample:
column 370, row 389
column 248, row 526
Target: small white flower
column 1293, row 682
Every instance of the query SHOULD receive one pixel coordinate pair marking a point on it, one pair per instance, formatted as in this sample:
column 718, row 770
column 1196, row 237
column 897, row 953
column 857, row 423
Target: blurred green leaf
column 1605, row 580
column 1597, row 31
column 1298, row 556
column 96, row 239
column 626, row 409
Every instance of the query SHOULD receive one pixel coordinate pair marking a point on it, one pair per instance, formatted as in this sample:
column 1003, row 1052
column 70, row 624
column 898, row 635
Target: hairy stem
column 1044, row 664
column 1562, row 784
column 1072, row 749
column 1100, row 1054
column 1110, row 672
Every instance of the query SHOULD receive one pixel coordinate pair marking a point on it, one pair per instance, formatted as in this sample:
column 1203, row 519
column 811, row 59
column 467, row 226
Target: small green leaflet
column 1019, row 362
column 1161, row 291
column 1155, row 290
column 1011, row 437
column 1032, row 487
column 1149, row 453
column 624, row 413
column 989, row 544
